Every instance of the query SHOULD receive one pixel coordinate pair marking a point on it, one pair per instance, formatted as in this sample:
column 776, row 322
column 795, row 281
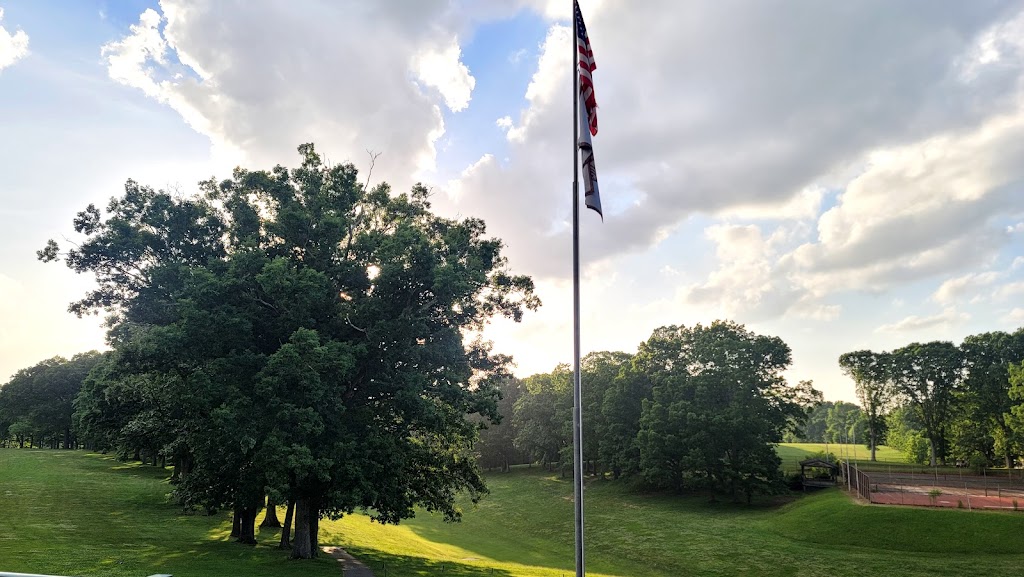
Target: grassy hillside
column 524, row 528
column 73, row 513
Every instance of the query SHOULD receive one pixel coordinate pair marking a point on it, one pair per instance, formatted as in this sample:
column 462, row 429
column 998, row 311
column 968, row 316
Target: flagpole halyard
column 577, row 395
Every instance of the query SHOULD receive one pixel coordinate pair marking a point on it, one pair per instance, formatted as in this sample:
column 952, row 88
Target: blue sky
column 842, row 176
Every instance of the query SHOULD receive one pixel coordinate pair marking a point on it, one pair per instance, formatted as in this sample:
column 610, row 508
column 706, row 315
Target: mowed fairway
column 74, row 513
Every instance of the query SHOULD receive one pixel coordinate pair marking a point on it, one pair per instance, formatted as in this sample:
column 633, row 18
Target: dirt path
column 350, row 566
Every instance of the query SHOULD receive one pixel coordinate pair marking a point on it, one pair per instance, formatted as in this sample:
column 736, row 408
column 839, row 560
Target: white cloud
column 1016, row 315
column 1009, row 290
column 344, row 77
column 947, row 318
column 748, row 124
column 743, row 283
column 13, row 47
column 804, row 205
column 967, row 285
column 443, row 69
column 742, row 173
column 128, row 59
column 543, row 87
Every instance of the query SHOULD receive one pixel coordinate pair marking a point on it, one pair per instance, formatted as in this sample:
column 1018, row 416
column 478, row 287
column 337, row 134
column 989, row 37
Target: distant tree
column 543, row 417
column 905, row 433
column 41, row 397
column 870, row 372
column 926, row 376
column 719, row 403
column 496, row 446
column 815, row 424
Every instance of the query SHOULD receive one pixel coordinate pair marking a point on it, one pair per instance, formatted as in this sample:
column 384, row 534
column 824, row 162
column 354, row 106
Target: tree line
column 294, row 335
column 694, row 409
column 939, row 402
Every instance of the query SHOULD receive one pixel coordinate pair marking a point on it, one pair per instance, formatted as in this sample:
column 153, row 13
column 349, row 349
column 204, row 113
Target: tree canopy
column 719, row 402
column 300, row 334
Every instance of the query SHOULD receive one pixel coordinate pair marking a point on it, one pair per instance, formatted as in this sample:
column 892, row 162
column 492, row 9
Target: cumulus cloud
column 968, row 285
column 827, row 159
column 13, row 47
column 725, row 111
column 443, row 69
column 947, row 318
column 744, row 283
column 353, row 77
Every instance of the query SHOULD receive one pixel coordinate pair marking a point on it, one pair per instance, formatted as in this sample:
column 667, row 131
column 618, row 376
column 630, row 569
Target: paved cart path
column 350, row 566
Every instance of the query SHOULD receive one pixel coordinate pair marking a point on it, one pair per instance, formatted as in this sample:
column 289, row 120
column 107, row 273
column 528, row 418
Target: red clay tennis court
column 966, row 491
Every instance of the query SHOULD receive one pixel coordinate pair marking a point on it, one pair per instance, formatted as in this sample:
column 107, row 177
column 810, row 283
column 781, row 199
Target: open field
column 75, row 513
column 792, row 453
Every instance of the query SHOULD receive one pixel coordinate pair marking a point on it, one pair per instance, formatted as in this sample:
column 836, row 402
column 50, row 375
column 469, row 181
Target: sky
column 842, row 175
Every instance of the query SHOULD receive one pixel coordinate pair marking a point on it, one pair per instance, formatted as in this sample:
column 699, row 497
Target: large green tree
column 870, row 372
column 984, row 401
column 719, row 403
column 926, row 376
column 621, row 411
column 311, row 330
column 598, row 373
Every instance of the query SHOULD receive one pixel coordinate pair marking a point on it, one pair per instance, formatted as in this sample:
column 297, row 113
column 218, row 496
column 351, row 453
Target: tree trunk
column 247, row 526
column 67, row 437
column 236, row 523
column 301, row 544
column 873, row 441
column 314, row 530
column 286, row 531
column 307, row 527
column 1007, row 456
column 270, row 518
column 931, row 450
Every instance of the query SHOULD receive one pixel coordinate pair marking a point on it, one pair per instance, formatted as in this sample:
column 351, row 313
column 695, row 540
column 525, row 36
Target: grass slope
column 524, row 529
column 71, row 513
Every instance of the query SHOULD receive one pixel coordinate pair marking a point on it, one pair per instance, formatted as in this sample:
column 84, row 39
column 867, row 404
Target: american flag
column 586, row 69
column 588, row 113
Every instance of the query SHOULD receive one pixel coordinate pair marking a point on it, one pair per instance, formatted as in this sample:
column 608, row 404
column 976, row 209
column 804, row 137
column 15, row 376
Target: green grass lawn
column 792, row 453
column 74, row 513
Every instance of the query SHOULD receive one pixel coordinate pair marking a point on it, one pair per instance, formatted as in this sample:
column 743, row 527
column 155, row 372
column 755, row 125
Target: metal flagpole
column 577, row 432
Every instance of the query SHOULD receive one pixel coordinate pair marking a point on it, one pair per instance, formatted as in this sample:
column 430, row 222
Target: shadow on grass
column 385, row 565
